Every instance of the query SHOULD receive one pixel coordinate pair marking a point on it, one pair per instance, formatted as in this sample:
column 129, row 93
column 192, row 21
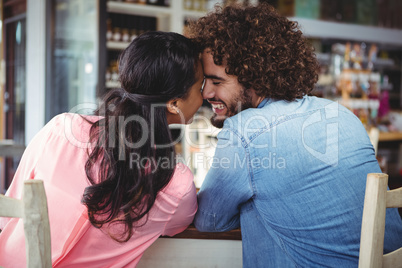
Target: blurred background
column 61, row 56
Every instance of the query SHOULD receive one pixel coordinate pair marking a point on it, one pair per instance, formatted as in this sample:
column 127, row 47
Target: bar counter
column 192, row 232
column 192, row 248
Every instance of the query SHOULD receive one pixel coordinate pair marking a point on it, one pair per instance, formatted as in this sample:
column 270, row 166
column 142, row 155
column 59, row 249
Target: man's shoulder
column 267, row 112
column 251, row 121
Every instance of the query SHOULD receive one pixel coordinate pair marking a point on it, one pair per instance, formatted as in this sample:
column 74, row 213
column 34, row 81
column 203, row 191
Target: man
column 289, row 169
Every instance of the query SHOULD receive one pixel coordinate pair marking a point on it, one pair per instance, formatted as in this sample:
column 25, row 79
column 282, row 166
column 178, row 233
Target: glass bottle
column 116, row 34
column 125, row 36
column 109, row 32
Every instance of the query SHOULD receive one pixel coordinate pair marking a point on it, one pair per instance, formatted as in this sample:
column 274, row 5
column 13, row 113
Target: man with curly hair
column 289, row 169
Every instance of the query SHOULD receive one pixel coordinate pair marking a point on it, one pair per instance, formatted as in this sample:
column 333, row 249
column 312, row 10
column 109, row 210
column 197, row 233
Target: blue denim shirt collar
column 262, row 104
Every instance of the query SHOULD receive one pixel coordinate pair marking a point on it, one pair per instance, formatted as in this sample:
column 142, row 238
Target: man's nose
column 208, row 92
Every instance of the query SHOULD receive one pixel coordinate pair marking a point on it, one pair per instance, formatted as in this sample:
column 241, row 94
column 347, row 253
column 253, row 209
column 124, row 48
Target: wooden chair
column 374, row 135
column 376, row 200
column 33, row 210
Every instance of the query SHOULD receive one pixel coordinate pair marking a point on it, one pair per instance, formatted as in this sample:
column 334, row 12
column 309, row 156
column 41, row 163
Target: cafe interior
column 61, row 56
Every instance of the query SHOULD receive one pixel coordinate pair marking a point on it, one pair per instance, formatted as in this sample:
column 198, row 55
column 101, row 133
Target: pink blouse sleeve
column 26, row 167
column 186, row 208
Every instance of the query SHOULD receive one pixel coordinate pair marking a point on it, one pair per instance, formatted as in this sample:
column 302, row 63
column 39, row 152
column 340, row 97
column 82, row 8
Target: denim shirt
column 292, row 176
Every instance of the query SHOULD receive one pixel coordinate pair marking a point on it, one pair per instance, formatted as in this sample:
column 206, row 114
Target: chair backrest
column 374, row 135
column 377, row 199
column 33, row 210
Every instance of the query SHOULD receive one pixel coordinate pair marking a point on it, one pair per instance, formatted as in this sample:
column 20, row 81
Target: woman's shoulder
column 74, row 127
column 72, row 120
column 182, row 169
column 182, row 181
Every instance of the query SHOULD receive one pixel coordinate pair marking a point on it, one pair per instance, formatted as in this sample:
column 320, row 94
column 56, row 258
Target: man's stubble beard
column 241, row 103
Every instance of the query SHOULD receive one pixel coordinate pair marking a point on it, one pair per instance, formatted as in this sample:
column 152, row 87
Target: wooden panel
column 199, row 253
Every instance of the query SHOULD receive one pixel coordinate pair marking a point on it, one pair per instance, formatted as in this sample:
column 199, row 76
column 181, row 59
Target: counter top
column 390, row 136
column 192, row 232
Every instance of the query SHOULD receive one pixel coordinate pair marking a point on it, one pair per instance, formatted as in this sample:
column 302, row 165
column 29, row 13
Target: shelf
column 137, row 9
column 112, row 84
column 193, row 14
column 116, row 45
column 347, row 31
column 310, row 27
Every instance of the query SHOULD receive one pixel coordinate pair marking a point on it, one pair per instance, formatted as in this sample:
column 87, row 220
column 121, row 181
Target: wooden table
column 192, row 232
column 390, row 136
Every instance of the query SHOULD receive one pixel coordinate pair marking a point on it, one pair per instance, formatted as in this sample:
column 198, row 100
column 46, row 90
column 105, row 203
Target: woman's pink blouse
column 57, row 155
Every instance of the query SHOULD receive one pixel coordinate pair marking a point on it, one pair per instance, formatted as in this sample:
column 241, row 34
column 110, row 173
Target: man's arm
column 226, row 186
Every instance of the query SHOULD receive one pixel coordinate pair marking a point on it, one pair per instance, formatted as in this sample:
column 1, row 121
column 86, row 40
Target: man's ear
column 172, row 106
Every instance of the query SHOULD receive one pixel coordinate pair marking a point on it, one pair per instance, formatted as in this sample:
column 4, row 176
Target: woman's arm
column 187, row 203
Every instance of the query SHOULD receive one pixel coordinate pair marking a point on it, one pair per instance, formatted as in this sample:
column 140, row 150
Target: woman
column 112, row 183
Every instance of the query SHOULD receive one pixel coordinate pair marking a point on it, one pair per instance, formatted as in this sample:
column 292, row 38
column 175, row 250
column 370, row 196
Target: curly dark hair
column 266, row 51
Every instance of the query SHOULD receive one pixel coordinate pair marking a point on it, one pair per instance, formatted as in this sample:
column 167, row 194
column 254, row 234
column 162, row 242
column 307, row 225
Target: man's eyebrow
column 211, row 76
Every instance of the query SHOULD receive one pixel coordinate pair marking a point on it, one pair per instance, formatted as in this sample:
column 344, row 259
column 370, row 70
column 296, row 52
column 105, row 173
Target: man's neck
column 255, row 99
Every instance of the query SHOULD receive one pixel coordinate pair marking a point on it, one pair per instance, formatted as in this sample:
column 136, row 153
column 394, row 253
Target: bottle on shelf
column 197, row 5
column 188, row 4
column 112, row 74
column 347, row 79
column 360, row 85
column 116, row 34
column 114, row 71
column 109, row 31
column 125, row 35
column 108, row 75
column 372, row 56
column 356, row 56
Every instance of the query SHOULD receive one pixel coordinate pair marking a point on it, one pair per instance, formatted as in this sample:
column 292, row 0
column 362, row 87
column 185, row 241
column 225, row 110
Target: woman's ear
column 172, row 107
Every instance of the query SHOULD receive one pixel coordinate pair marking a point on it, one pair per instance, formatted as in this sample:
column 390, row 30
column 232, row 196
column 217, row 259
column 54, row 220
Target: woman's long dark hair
column 132, row 155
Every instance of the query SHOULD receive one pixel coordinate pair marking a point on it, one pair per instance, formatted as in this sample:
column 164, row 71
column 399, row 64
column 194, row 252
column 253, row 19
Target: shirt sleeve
column 226, row 187
column 186, row 209
column 26, row 167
